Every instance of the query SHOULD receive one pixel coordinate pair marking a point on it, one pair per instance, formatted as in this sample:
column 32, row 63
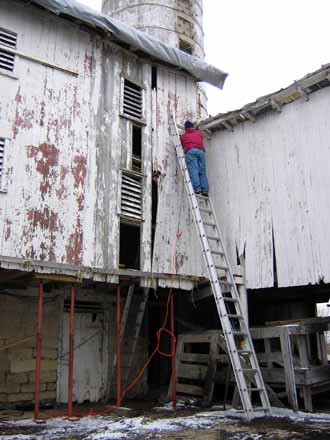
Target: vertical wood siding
column 271, row 180
column 66, row 143
column 173, row 254
column 47, row 115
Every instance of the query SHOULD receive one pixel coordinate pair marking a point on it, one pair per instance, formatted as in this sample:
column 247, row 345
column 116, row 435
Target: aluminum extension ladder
column 238, row 340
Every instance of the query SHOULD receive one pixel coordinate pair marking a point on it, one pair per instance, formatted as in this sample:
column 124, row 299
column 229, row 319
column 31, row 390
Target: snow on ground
column 114, row 427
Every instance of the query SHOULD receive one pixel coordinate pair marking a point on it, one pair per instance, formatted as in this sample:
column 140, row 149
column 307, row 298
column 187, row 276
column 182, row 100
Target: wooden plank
column 315, row 320
column 322, row 347
column 197, row 339
column 290, row 381
column 192, row 390
column 179, row 350
column 194, row 358
column 304, row 363
column 268, row 352
column 211, row 370
column 308, row 398
column 191, row 371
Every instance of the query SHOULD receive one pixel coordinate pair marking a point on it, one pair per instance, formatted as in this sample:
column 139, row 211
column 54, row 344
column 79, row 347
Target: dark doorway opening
column 154, row 77
column 129, row 253
column 159, row 370
column 154, row 208
column 137, row 148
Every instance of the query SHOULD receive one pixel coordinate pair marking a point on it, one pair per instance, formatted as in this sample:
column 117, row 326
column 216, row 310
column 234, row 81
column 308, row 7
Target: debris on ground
column 187, row 422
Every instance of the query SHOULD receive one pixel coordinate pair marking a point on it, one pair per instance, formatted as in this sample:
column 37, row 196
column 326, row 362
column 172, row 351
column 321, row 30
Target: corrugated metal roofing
column 136, row 39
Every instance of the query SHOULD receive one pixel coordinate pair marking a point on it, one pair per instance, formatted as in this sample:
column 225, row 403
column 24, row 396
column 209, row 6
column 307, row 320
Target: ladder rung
column 244, row 351
column 226, row 298
column 217, row 252
column 221, row 267
column 256, row 389
column 205, row 209
column 209, row 224
column 226, row 283
column 239, row 333
column 213, row 238
column 234, row 316
column 249, row 370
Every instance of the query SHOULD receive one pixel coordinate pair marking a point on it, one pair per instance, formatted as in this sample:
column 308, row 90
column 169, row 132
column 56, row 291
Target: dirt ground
column 158, row 423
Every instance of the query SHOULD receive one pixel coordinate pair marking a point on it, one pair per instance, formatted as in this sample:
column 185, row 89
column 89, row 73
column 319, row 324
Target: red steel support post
column 71, row 352
column 38, row 354
column 118, row 403
column 173, row 354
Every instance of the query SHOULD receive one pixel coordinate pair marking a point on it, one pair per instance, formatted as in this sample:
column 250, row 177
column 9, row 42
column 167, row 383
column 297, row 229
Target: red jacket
column 192, row 138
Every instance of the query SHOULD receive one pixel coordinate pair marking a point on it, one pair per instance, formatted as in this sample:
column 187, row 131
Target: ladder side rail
column 230, row 272
column 253, row 357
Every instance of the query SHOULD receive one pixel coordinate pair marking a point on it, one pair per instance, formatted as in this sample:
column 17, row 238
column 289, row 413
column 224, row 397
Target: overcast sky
column 263, row 45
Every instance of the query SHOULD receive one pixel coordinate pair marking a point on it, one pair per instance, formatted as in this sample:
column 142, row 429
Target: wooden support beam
column 290, row 380
column 303, row 93
column 275, row 105
column 249, row 116
column 57, row 278
column 227, row 125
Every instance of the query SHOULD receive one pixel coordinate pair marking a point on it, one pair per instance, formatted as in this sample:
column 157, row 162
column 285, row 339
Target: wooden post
column 243, row 295
column 304, row 363
column 38, row 354
column 71, row 352
column 290, row 380
column 118, row 401
column 173, row 354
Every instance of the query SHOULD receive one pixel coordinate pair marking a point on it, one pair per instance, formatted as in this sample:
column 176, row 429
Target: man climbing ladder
column 235, row 330
column 193, row 146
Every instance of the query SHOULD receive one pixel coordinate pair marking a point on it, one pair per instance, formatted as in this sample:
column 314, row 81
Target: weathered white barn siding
column 48, row 120
column 67, row 143
column 181, row 254
column 114, row 152
column 271, row 178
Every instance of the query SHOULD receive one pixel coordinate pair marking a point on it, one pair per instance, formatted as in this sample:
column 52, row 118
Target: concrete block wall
column 18, row 323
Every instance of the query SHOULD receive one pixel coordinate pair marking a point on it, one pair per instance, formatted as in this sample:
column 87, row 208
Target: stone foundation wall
column 18, row 323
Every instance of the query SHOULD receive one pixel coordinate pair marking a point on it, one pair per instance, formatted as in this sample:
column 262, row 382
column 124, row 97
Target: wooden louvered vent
column 7, row 58
column 133, row 100
column 2, row 156
column 131, row 196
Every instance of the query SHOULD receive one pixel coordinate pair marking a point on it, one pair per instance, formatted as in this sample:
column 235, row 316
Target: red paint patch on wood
column 46, row 157
column 8, row 224
column 79, row 170
column 62, row 190
column 75, row 247
column 42, row 114
column 81, row 202
column 45, row 219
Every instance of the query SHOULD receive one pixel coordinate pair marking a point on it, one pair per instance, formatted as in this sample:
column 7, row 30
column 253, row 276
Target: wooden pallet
column 196, row 365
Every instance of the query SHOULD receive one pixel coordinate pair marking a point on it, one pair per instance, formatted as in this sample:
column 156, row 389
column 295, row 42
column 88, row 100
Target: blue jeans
column 195, row 160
